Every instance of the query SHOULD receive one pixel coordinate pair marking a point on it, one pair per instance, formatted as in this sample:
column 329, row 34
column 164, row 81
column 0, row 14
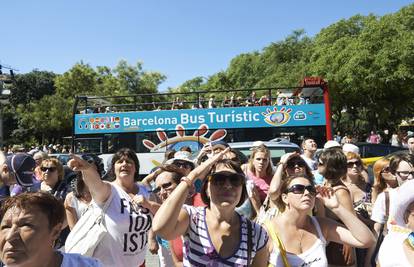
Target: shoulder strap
column 387, row 204
column 275, row 238
column 108, row 201
column 387, row 208
column 249, row 241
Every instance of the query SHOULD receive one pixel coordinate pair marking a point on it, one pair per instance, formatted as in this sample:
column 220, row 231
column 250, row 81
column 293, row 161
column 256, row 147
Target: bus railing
column 199, row 99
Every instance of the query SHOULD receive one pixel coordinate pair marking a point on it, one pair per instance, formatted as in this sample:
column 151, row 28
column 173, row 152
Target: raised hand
column 76, row 163
column 327, row 196
column 202, row 170
column 284, row 159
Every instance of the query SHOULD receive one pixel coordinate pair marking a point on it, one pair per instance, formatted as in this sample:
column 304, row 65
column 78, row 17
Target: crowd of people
column 232, row 100
column 214, row 208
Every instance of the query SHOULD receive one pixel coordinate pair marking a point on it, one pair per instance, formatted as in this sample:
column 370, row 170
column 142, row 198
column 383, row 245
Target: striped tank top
column 198, row 248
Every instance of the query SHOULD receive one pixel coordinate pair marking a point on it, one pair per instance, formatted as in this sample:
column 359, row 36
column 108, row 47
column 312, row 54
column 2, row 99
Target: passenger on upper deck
column 211, row 102
column 264, row 100
column 177, row 103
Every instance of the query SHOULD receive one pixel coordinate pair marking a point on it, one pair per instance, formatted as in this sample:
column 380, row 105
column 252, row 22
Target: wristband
column 187, row 181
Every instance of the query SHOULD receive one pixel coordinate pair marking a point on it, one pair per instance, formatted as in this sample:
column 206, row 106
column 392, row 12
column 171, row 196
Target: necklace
column 302, row 232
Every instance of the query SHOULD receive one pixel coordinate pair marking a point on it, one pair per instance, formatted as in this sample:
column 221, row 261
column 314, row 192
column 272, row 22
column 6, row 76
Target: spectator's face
column 38, row 160
column 295, row 166
column 25, row 237
column 404, row 171
column 225, row 187
column 164, row 185
column 7, row 177
column 125, row 168
column 410, row 143
column 354, row 167
column 49, row 173
column 310, row 145
column 410, row 216
column 300, row 194
column 321, row 167
column 260, row 161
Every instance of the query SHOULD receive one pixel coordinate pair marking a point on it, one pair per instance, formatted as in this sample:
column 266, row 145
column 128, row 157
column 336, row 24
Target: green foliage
column 45, row 111
column 368, row 62
column 31, row 86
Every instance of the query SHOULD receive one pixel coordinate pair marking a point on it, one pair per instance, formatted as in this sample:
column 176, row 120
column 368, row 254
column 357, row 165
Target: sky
column 182, row 39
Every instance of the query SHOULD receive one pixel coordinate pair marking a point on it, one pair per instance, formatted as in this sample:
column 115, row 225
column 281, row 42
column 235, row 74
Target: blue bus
column 152, row 123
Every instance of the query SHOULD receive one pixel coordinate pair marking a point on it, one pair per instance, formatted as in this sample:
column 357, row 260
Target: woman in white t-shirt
column 129, row 214
column 397, row 249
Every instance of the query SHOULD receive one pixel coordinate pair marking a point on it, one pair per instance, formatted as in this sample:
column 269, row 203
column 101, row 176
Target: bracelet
column 187, row 181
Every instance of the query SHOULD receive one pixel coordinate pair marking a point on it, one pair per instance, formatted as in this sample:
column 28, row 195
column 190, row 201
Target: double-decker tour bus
column 152, row 123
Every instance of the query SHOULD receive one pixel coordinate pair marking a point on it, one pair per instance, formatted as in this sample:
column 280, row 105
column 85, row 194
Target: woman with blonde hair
column 383, row 179
column 259, row 169
column 52, row 178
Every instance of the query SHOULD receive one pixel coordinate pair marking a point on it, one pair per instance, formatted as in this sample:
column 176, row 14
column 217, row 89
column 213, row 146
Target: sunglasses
column 386, row 170
column 220, row 178
column 350, row 164
column 293, row 163
column 50, row 169
column 405, row 173
column 183, row 164
column 300, row 189
column 163, row 186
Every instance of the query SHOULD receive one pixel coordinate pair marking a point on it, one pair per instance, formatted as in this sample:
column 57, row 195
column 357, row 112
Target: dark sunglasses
column 219, row 179
column 293, row 163
column 50, row 169
column 351, row 164
column 163, row 186
column 183, row 164
column 405, row 173
column 300, row 189
column 386, row 169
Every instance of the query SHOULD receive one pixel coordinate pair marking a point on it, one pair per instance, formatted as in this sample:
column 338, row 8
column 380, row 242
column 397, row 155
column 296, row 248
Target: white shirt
column 125, row 245
column 76, row 260
column 378, row 210
column 312, row 163
column 391, row 253
column 315, row 256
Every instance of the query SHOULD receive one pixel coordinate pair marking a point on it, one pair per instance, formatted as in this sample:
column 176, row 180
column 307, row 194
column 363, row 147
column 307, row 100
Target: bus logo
column 277, row 117
column 299, row 116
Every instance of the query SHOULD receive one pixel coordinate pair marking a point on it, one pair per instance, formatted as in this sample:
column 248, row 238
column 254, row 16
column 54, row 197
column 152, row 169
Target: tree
column 32, row 86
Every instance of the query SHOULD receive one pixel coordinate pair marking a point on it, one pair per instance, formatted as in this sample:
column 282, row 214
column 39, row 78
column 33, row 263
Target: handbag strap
column 106, row 206
column 275, row 237
column 387, row 209
column 249, row 241
column 383, row 229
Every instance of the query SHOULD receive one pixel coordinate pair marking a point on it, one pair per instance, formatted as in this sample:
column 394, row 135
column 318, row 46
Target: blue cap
column 22, row 165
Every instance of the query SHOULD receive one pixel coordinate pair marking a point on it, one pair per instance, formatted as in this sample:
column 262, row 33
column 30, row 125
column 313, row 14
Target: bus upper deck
column 151, row 123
